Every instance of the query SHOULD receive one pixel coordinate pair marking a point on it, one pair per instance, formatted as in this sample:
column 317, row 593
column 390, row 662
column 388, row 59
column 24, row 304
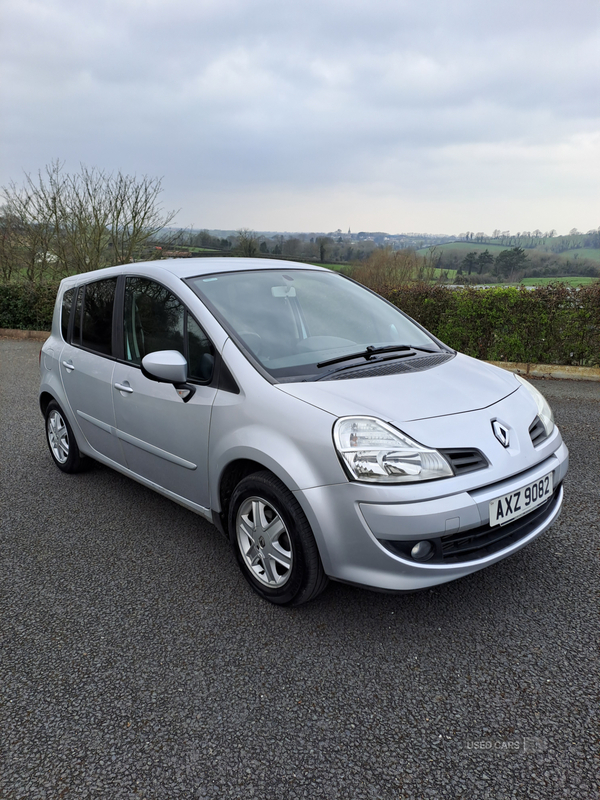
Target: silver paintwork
column 144, row 430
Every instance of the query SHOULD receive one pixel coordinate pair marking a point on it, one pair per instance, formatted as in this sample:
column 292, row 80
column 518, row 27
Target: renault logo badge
column 500, row 432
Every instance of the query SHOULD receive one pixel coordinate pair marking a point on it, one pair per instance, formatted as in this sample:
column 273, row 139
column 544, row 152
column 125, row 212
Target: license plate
column 510, row 506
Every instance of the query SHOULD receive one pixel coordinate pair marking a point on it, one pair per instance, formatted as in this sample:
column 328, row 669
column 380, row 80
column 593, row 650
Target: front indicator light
column 374, row 451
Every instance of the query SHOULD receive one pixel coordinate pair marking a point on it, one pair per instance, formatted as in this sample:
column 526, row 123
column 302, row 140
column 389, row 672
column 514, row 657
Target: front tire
column 61, row 442
column 273, row 543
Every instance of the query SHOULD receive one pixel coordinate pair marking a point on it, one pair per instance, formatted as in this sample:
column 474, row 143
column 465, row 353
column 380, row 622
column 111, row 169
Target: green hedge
column 546, row 325
column 27, row 306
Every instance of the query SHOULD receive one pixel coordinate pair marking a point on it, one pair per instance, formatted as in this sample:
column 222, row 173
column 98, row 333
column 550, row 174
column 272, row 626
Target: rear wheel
column 273, row 542
column 62, row 444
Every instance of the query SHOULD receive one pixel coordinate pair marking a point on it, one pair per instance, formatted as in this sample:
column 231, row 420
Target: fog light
column 422, row 551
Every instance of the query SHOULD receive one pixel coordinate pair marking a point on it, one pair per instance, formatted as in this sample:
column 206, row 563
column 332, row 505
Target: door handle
column 68, row 365
column 122, row 387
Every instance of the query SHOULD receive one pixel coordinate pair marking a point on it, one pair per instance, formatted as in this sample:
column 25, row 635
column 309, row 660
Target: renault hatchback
column 325, row 433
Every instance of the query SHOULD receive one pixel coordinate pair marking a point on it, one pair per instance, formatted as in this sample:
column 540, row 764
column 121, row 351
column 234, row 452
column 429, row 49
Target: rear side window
column 65, row 314
column 94, row 316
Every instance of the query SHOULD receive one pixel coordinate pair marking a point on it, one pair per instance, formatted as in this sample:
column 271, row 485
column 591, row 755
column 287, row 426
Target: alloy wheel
column 58, row 436
column 264, row 542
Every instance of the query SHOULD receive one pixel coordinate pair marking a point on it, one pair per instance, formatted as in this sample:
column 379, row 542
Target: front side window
column 154, row 319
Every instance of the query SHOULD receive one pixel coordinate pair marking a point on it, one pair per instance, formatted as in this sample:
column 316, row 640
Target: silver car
column 324, row 432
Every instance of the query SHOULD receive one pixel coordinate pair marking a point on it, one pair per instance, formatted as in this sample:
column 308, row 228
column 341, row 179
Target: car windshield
column 305, row 324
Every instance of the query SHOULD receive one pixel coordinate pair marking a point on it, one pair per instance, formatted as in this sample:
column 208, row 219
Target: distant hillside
column 517, row 258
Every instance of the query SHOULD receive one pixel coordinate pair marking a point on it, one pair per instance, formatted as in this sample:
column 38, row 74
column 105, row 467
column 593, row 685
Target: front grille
column 537, row 432
column 393, row 367
column 478, row 542
column 463, row 460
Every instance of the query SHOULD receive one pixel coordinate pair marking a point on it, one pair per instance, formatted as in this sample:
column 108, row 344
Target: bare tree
column 386, row 268
column 25, row 247
column 71, row 223
column 323, row 242
column 291, row 246
column 136, row 214
column 247, row 243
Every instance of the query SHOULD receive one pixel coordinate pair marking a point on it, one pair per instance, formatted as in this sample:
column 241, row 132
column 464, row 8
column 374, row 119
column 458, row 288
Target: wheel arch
column 296, row 574
column 45, row 399
column 232, row 474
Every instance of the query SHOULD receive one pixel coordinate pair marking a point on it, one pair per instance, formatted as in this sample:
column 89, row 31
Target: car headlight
column 373, row 451
column 543, row 409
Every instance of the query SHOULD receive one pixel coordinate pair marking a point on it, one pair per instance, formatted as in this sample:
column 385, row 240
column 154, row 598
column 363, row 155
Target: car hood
column 460, row 385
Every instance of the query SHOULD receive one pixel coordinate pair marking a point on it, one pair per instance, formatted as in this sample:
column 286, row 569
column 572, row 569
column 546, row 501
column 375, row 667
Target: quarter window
column 67, row 303
column 77, row 320
column 200, row 354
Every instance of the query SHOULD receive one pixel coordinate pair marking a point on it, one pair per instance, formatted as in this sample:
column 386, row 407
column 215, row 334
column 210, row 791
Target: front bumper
column 363, row 532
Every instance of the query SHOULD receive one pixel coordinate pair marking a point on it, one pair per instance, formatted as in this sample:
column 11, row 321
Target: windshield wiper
column 371, row 351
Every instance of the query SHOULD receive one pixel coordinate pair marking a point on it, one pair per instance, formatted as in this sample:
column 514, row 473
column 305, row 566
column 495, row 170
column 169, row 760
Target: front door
column 164, row 439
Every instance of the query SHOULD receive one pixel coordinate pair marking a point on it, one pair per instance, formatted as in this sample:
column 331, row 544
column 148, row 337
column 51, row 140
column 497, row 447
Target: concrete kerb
column 14, row 333
column 532, row 370
column 550, row 370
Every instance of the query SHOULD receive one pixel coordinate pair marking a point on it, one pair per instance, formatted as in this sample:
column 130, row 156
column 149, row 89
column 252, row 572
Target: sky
column 316, row 115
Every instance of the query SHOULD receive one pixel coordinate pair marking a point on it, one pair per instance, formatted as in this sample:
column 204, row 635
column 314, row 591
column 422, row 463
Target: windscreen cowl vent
column 390, row 367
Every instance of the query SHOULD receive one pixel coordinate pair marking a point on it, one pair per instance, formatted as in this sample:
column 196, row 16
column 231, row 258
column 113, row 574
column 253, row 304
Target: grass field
column 593, row 254
column 450, row 272
column 464, row 247
column 584, row 252
column 571, row 280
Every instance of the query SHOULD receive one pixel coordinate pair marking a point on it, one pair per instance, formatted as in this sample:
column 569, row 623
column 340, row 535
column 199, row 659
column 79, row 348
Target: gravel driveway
column 136, row 662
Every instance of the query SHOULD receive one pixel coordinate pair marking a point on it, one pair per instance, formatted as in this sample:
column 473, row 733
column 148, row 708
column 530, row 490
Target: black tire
column 273, row 542
column 61, row 441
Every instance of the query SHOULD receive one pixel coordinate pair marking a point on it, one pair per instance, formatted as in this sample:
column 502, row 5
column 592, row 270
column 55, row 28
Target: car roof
column 190, row 267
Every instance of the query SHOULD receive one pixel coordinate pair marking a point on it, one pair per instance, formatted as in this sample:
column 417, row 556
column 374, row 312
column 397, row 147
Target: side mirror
column 169, row 366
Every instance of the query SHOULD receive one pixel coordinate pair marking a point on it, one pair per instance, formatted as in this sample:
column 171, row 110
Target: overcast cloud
column 318, row 114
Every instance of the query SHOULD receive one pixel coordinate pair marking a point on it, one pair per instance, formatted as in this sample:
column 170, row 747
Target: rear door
column 87, row 364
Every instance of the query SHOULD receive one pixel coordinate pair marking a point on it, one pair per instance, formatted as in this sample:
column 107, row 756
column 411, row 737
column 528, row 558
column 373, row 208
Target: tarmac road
column 136, row 663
